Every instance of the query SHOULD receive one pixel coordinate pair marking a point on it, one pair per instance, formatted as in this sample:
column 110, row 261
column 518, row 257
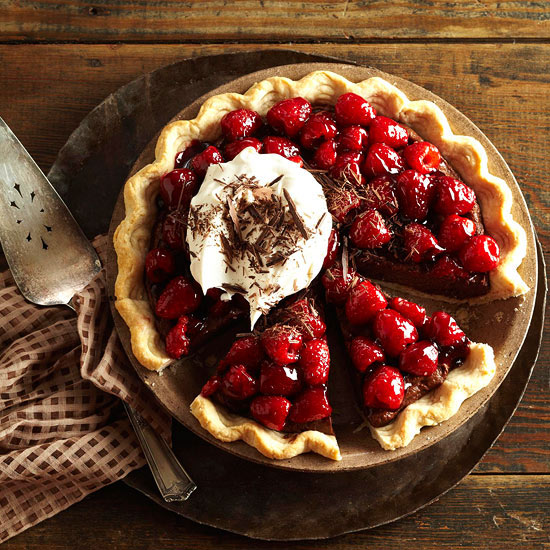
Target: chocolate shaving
column 275, row 259
column 234, row 218
column 345, row 259
column 320, row 220
column 234, row 288
column 277, row 179
column 294, row 213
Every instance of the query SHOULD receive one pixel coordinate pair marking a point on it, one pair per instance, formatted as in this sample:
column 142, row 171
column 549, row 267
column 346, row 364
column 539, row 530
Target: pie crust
column 464, row 153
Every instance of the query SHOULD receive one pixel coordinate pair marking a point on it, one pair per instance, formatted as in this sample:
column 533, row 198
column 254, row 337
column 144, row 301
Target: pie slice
column 270, row 389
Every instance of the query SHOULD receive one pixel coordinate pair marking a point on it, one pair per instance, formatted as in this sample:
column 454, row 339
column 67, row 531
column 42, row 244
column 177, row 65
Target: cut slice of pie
column 409, row 370
column 270, row 389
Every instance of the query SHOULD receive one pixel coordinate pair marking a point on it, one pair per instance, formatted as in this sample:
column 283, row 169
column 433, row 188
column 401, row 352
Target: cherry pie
column 407, row 211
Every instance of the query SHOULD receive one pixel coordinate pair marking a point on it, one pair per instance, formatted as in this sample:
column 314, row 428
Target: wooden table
column 489, row 59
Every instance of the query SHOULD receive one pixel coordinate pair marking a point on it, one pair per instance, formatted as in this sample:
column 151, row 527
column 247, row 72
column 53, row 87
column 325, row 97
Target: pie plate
column 502, row 324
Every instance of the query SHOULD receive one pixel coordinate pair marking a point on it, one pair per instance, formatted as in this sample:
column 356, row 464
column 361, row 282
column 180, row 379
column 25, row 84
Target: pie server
column 51, row 260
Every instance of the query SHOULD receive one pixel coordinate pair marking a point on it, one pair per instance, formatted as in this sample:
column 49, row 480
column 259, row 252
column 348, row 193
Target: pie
column 302, row 193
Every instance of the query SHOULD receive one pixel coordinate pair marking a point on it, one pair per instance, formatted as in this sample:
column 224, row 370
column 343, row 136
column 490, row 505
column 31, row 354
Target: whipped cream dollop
column 259, row 226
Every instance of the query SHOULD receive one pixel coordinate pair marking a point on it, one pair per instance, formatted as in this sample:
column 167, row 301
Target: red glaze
column 332, row 250
column 347, row 167
column 315, row 362
column 384, row 388
column 420, row 243
column 364, row 352
column 480, row 253
column 413, row 312
column 280, row 146
column 325, row 156
column 179, row 297
column 245, row 351
column 159, row 264
column 336, row 286
column 178, row 187
column 380, row 194
column 306, row 320
column 415, row 193
column 454, row 231
column 369, row 230
column 352, row 138
column 282, row 344
column 237, row 383
column 318, row 128
column 422, row 156
column 453, row 196
column 351, row 108
column 364, row 301
column 177, row 341
column 381, row 160
column 240, row 123
column 419, row 358
column 444, row 330
column 235, row 147
column 201, row 162
column 385, row 130
column 188, row 153
column 212, row 386
column 312, row 404
column 342, row 206
column 278, row 380
column 394, row 331
column 172, row 231
column 289, row 115
column 270, row 410
column 448, row 268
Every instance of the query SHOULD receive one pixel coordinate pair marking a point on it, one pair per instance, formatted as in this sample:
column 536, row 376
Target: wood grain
column 499, row 512
column 503, row 88
column 298, row 21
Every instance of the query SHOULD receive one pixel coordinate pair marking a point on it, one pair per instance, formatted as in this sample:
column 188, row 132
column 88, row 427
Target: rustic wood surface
column 501, row 84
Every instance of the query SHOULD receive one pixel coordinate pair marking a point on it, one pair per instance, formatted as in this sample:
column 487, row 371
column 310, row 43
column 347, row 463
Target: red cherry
column 240, row 123
column 444, row 330
column 245, row 351
column 394, row 331
column 270, row 410
column 341, row 204
column 177, row 341
column 336, row 286
column 385, row 130
column 212, row 386
column 306, row 319
column 380, row 194
column 415, row 193
column 420, row 243
column 282, row 344
column 448, row 268
column 289, row 115
column 235, row 147
column 419, row 358
column 159, row 264
column 201, row 162
column 480, row 253
column 280, row 146
column 188, row 153
column 179, row 297
column 364, row 352
column 364, row 301
column 318, row 128
column 352, row 138
column 422, row 156
column 325, row 156
column 413, row 312
column 297, row 160
column 278, row 379
column 315, row 362
column 369, row 230
column 381, row 160
column 173, row 228
column 454, row 231
column 453, row 196
column 384, row 388
column 347, row 167
column 238, row 384
column 351, row 108
column 332, row 249
column 178, row 187
column 312, row 404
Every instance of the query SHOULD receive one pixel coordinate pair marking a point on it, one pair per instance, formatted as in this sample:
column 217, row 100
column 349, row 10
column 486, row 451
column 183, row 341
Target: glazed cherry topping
column 312, row 404
column 352, row 138
column 325, row 156
column 422, row 156
column 240, row 123
column 282, row 344
column 278, row 380
column 270, row 410
column 336, row 286
column 332, row 249
column 364, row 301
column 212, row 386
column 351, row 108
column 380, row 194
column 384, row 388
column 415, row 193
column 381, row 160
column 179, row 297
column 172, row 231
column 369, row 230
column 448, row 268
column 177, row 341
column 480, row 253
column 280, row 146
column 364, row 352
column 318, row 128
column 342, row 204
column 159, row 264
column 183, row 157
column 201, row 162
column 454, row 231
column 289, row 115
column 415, row 313
column 245, row 351
column 444, row 330
column 453, row 196
column 315, row 362
column 420, row 243
column 419, row 358
column 385, row 130
column 235, row 147
column 394, row 331
column 238, row 384
column 347, row 167
column 306, row 319
column 178, row 187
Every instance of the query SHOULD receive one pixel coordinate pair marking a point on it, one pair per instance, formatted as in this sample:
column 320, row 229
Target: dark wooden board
column 294, row 20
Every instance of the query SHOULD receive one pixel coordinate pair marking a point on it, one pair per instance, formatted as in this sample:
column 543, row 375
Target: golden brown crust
column 229, row 427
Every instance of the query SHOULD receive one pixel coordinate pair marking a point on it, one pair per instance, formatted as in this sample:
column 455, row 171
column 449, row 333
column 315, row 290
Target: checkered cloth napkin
column 63, row 431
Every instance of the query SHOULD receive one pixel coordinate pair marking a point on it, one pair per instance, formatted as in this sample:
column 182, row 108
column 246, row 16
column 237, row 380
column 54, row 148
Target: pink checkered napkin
column 63, row 431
